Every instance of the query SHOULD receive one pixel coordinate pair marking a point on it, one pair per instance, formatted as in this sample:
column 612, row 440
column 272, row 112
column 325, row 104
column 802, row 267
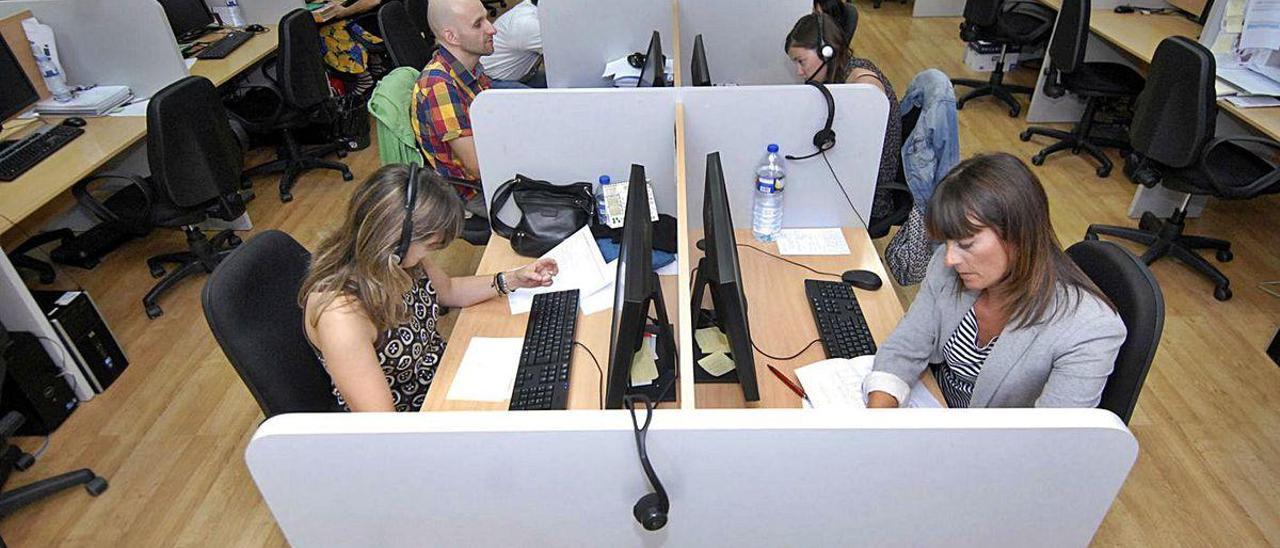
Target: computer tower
column 33, row 386
column 86, row 336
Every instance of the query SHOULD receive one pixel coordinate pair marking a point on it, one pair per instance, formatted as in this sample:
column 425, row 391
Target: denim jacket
column 933, row 147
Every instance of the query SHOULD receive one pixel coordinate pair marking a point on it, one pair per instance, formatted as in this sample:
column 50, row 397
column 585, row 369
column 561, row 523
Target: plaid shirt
column 441, row 111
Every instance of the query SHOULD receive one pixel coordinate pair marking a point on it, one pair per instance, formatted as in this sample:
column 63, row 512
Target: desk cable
column 598, row 368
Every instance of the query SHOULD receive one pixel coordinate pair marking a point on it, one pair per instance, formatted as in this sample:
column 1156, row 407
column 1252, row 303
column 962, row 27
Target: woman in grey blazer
column 1009, row 320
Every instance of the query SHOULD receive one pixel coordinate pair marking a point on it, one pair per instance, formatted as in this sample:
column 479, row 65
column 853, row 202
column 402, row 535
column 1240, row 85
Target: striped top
column 964, row 360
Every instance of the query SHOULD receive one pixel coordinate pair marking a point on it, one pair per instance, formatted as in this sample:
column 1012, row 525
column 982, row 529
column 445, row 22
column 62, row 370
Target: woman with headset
column 372, row 297
column 815, row 46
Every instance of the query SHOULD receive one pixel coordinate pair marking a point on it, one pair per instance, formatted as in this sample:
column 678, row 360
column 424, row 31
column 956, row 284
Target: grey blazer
column 1060, row 362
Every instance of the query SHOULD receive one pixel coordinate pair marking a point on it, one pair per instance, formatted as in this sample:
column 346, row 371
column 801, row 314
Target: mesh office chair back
column 1070, row 34
column 193, row 154
column 417, row 10
column 982, row 13
column 1131, row 287
column 300, row 67
column 1176, row 111
column 404, row 42
column 251, row 304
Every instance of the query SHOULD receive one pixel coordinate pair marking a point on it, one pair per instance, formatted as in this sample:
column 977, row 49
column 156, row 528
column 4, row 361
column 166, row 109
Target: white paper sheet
column 1243, row 101
column 190, row 62
column 581, row 267
column 135, row 108
column 671, row 269
column 487, row 371
column 837, row 384
column 602, row 299
column 1261, row 25
column 812, row 241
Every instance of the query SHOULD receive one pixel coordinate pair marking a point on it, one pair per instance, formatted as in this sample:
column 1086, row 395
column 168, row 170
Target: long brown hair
column 357, row 260
column 805, row 35
column 998, row 191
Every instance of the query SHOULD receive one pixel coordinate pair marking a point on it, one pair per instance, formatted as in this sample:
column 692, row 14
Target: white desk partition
column 579, row 37
column 740, row 122
column 756, row 477
column 571, row 135
column 262, row 12
column 743, row 38
column 115, row 42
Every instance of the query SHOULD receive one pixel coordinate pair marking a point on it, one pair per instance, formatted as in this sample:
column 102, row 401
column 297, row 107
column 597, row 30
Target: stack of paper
column 713, row 342
column 94, row 101
column 812, row 241
column 487, row 371
column 581, row 267
column 837, row 384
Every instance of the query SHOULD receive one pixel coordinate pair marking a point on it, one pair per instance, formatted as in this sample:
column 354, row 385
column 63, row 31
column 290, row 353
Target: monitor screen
column 725, row 276
column 632, row 290
column 699, row 72
column 653, row 74
column 188, row 18
column 16, row 91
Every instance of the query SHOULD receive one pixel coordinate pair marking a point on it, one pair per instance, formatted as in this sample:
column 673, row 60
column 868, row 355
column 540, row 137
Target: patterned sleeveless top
column 409, row 353
column 882, row 204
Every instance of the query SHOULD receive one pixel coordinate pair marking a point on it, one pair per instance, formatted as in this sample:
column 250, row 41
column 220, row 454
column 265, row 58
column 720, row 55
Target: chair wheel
column 96, row 486
column 1025, row 135
column 1038, row 159
column 1013, row 112
column 1103, row 171
column 1224, row 255
column 1090, row 235
column 342, row 153
column 347, row 176
column 1222, row 293
column 154, row 311
column 24, row 462
column 286, row 197
column 157, row 272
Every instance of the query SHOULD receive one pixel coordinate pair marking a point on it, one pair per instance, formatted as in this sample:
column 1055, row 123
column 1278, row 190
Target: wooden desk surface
column 104, row 138
column 493, row 318
column 1138, row 35
column 782, row 323
column 219, row 71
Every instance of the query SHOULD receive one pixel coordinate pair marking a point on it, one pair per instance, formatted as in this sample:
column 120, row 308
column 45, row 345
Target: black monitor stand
column 703, row 318
column 662, row 388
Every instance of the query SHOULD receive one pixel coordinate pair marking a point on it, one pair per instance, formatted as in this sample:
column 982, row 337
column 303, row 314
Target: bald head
column 463, row 28
column 449, row 14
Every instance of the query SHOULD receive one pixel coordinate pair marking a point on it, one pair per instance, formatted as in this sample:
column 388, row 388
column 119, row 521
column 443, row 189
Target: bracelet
column 502, row 284
column 494, row 284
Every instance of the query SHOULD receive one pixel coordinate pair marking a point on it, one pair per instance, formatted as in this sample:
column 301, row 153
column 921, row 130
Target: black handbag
column 548, row 213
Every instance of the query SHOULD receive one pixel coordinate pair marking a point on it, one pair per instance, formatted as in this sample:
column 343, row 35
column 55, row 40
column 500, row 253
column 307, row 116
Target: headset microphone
column 825, row 138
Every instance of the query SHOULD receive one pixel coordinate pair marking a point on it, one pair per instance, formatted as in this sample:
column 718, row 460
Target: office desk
column 493, row 318
column 782, row 323
column 1138, row 35
column 219, row 71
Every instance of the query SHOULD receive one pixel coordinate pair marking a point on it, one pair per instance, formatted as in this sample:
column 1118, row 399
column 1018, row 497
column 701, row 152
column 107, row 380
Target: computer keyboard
column 841, row 327
column 225, row 45
column 542, row 378
column 21, row 156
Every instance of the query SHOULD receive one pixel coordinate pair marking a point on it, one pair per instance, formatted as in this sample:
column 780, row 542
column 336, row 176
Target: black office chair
column 1131, row 287
column 897, row 191
column 251, row 304
column 195, row 163
column 1172, row 134
column 12, row 457
column 1008, row 23
column 417, row 10
column 1069, row 73
column 304, row 98
column 403, row 40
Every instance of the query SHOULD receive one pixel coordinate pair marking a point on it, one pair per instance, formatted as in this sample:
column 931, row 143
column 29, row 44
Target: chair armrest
column 1255, row 187
column 85, row 198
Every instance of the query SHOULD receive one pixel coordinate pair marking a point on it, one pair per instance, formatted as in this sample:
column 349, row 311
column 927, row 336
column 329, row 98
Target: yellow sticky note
column 716, row 363
column 711, row 340
column 643, row 369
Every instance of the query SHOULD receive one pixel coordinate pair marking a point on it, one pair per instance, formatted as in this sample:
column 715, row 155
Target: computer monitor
column 636, row 292
column 719, row 270
column 189, row 19
column 654, row 75
column 16, row 92
column 698, row 70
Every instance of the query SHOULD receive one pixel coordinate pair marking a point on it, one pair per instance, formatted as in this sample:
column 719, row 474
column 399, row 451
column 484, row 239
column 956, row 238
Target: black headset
column 410, row 200
column 825, row 138
column 651, row 510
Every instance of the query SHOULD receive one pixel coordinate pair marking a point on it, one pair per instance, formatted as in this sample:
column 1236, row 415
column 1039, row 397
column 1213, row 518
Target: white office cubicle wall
column 260, row 12
column 787, row 116
column 570, row 135
column 579, row 37
column 756, row 477
column 116, row 42
column 743, row 38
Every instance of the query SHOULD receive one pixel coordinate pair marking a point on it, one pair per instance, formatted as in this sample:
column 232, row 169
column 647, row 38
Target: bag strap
column 500, row 198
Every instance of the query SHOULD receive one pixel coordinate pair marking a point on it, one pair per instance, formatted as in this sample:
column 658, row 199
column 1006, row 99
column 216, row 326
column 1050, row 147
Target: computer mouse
column 1124, row 9
column 862, row 279
column 256, row 28
column 74, row 121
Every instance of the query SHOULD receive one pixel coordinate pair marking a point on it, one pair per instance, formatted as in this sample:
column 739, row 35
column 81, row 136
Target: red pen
column 793, row 386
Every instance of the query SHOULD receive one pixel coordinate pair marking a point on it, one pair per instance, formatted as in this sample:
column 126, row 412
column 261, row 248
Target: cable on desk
column 598, row 368
column 791, row 357
column 786, row 260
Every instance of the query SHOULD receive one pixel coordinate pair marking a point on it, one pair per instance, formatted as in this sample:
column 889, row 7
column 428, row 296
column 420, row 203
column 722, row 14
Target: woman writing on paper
column 372, row 297
column 1007, row 316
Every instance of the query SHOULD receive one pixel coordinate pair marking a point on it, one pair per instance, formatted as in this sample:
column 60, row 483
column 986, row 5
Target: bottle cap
column 604, row 179
column 773, row 148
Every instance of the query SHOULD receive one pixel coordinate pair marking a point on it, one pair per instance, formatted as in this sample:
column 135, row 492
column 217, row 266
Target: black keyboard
column 21, row 156
column 542, row 378
column 225, row 45
column 841, row 327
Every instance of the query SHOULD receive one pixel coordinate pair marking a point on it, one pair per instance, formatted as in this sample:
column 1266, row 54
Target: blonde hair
column 358, row 260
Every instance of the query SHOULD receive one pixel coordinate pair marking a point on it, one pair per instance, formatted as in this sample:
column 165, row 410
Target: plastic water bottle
column 602, row 211
column 53, row 78
column 233, row 11
column 766, row 218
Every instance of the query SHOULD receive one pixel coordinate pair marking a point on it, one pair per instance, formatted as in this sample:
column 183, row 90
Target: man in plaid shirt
column 444, row 91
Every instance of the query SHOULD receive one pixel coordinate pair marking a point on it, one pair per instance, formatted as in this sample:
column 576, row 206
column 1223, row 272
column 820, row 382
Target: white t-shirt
column 517, row 45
